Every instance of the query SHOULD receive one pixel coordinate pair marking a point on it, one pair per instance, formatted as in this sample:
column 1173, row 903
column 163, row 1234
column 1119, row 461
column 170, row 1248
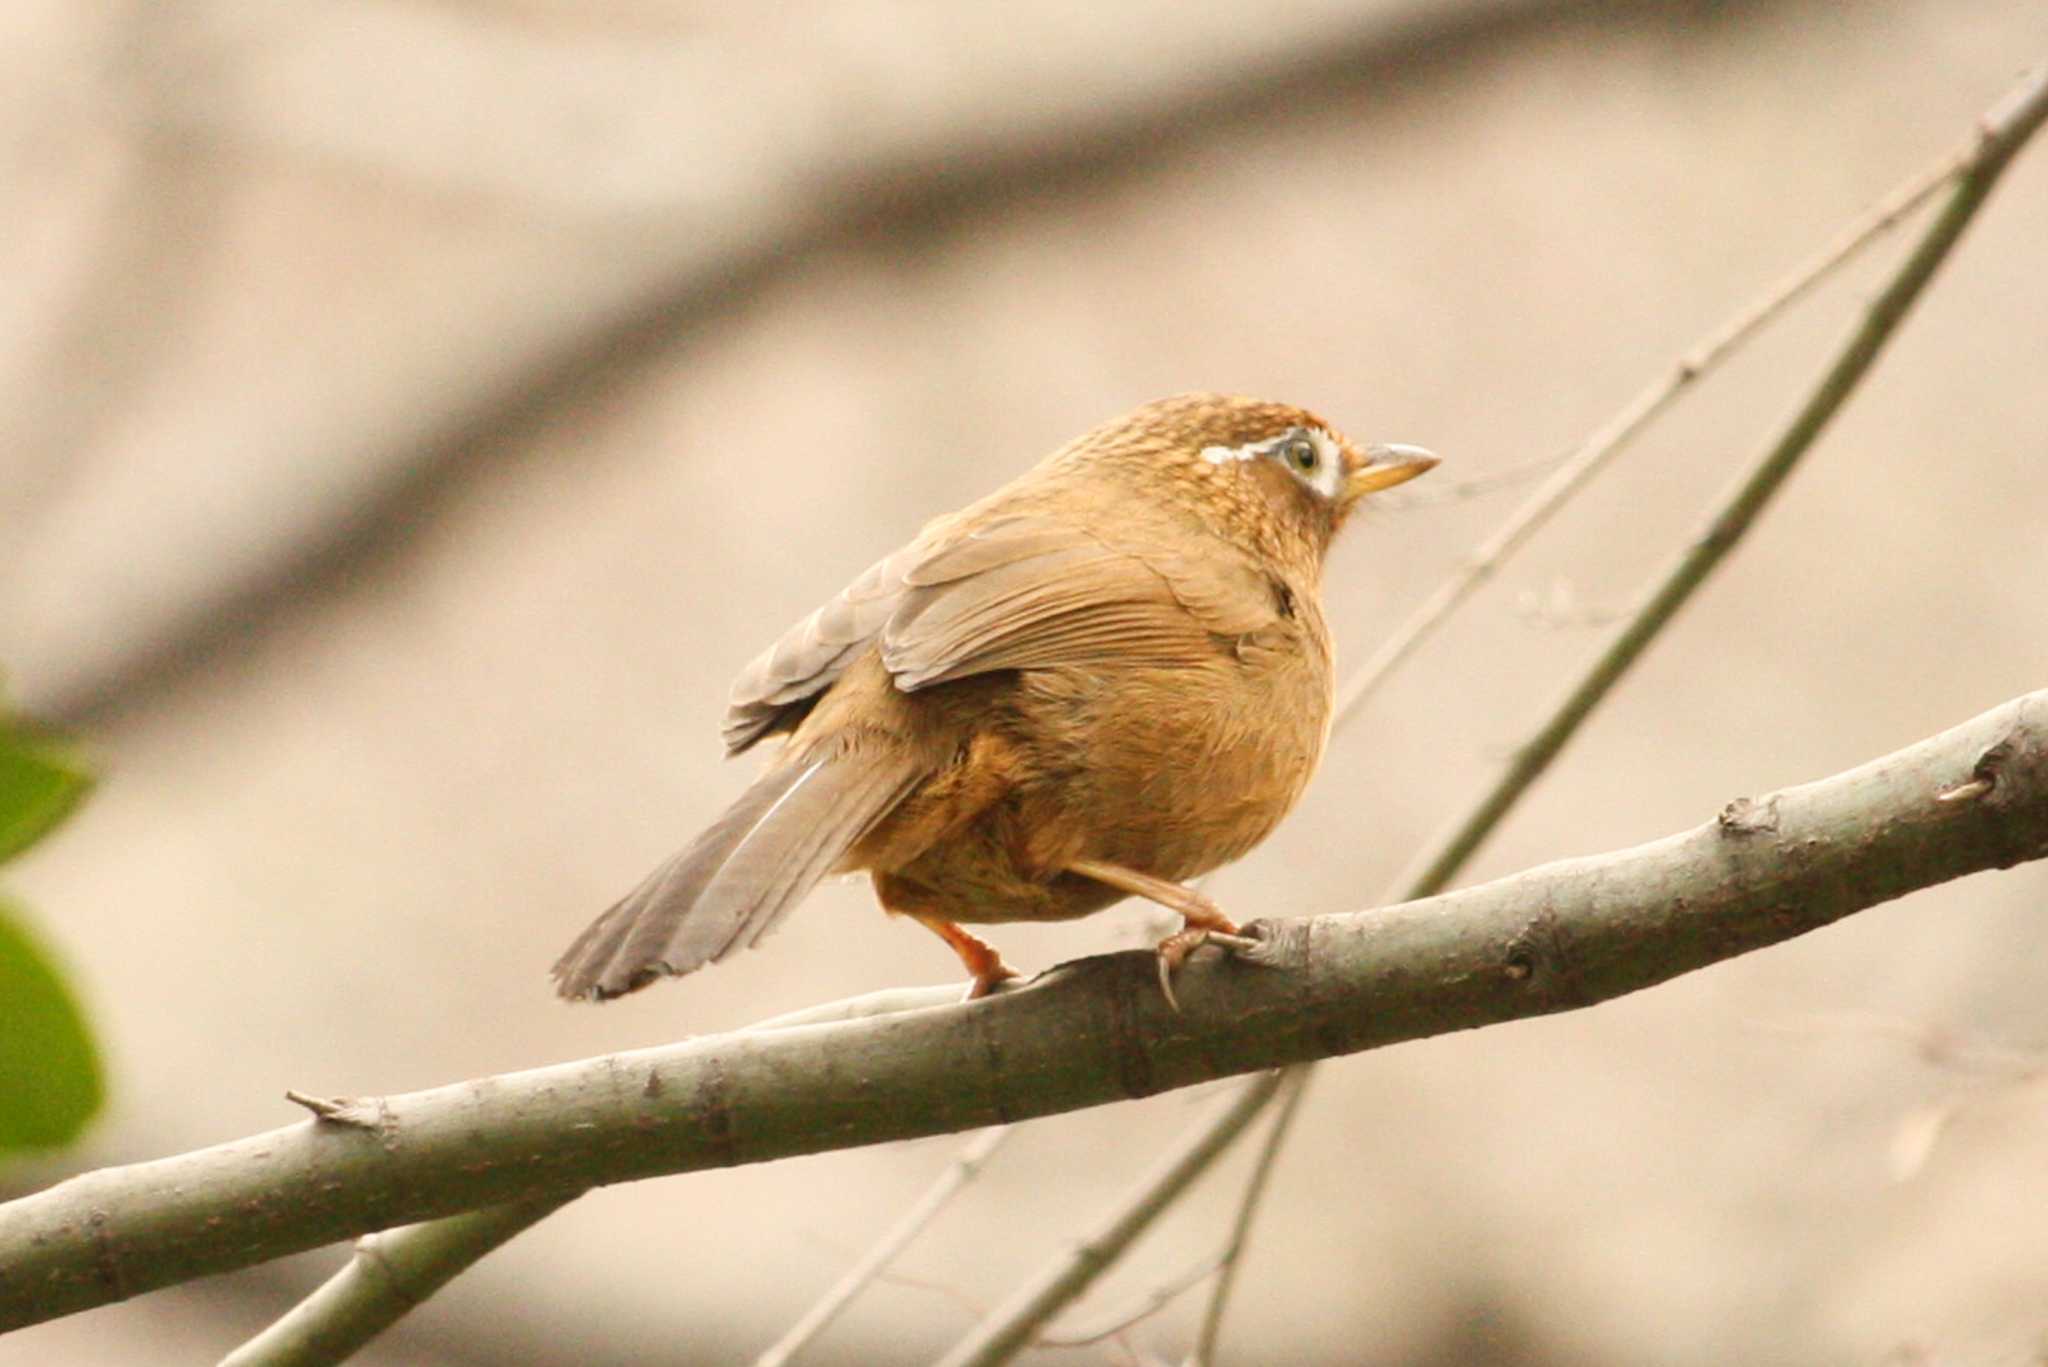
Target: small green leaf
column 40, row 781
column 49, row 1071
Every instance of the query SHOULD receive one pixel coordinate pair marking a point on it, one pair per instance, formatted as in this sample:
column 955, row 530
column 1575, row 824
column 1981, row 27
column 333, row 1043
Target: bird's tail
column 735, row 882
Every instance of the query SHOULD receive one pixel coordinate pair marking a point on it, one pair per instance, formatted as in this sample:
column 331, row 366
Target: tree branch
column 389, row 1274
column 1293, row 1087
column 1011, row 1325
column 1552, row 939
column 876, row 1260
column 1579, row 466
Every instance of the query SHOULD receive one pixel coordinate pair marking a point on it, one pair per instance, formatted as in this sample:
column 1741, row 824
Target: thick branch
column 1562, row 936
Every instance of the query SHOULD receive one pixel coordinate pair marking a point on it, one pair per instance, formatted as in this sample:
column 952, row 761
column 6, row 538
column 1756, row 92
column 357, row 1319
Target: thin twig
column 1293, row 1087
column 1922, row 1128
column 1465, row 486
column 1998, row 139
column 1127, row 1317
column 1614, row 436
column 388, row 1274
column 1017, row 1321
column 945, row 1290
column 1939, row 1046
column 2000, row 134
column 1990, row 1069
column 876, row 1260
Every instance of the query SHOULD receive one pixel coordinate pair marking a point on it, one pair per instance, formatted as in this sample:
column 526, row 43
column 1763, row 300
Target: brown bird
column 1109, row 675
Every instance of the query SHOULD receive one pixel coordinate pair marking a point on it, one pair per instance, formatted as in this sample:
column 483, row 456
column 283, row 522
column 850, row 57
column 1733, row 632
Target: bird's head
column 1267, row 473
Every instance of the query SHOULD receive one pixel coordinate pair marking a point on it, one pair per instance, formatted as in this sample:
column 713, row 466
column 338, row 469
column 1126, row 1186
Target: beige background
column 412, row 415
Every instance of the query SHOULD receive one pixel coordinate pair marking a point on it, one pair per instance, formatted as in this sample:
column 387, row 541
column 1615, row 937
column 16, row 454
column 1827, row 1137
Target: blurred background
column 412, row 415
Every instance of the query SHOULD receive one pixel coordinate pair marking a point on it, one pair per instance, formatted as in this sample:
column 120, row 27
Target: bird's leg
column 1204, row 921
column 984, row 964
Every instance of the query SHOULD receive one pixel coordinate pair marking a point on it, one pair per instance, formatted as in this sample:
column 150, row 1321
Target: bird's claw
column 1174, row 950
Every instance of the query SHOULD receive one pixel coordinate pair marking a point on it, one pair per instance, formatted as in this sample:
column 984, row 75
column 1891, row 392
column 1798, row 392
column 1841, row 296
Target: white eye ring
column 1301, row 455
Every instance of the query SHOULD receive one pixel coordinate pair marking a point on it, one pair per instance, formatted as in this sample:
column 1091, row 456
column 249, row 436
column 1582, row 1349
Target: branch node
column 338, row 1110
column 1983, row 778
column 1270, row 944
column 1966, row 792
column 1539, row 959
column 1746, row 816
column 372, row 1256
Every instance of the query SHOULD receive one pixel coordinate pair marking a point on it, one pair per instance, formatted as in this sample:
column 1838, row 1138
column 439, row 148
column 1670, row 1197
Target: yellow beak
column 1387, row 464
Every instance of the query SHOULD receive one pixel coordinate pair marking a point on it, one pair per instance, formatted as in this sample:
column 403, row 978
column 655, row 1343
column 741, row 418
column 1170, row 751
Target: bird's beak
column 1386, row 465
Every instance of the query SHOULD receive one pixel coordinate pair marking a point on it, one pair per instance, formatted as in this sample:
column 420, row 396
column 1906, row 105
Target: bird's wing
column 1032, row 591
column 1017, row 592
column 777, row 687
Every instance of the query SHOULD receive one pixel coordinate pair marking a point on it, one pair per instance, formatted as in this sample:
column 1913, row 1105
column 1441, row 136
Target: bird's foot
column 989, row 980
column 1203, row 922
column 985, row 967
column 1174, row 950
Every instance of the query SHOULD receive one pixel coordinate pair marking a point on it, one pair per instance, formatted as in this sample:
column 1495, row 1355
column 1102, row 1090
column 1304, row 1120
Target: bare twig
column 1122, row 1320
column 1465, row 485
column 876, row 1260
column 1293, row 1087
column 1991, row 1069
column 1614, row 436
column 1922, row 1128
column 1936, row 1044
column 2000, row 134
column 1018, row 1320
column 945, row 1290
column 387, row 1276
column 1559, row 607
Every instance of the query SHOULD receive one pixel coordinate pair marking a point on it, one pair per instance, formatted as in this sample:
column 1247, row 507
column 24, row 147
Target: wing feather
column 1019, row 592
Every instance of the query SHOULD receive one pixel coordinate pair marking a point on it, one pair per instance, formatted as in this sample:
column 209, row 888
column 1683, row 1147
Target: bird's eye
column 1301, row 453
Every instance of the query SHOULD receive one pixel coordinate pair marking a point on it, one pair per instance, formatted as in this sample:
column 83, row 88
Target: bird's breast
column 1174, row 770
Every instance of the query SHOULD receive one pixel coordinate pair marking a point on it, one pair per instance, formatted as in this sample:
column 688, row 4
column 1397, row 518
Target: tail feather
column 734, row 883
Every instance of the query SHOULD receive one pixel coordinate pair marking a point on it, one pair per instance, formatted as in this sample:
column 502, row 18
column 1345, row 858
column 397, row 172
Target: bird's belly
column 1169, row 772
column 1195, row 772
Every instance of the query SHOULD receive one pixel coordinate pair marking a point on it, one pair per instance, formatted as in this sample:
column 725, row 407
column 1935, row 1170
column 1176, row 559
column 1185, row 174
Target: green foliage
column 39, row 784
column 49, row 1070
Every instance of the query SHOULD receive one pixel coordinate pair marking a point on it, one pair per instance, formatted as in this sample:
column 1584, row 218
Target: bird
column 1108, row 677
